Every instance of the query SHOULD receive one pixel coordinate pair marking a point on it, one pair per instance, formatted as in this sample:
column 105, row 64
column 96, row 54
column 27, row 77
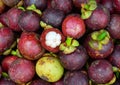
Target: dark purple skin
column 59, row 82
column 39, row 82
column 64, row 5
column 117, row 82
column 77, row 3
column 12, row 19
column 10, row 3
column 114, row 58
column 114, row 26
column 75, row 60
column 106, row 50
column 99, row 18
column 29, row 21
column 116, row 5
column 0, row 71
column 100, row 71
column 5, row 81
column 6, row 39
column 29, row 46
column 40, row 4
column 108, row 4
column 75, row 78
column 21, row 70
column 53, row 17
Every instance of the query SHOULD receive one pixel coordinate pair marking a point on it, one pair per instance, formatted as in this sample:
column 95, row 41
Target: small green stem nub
column 88, row 8
column 102, row 35
column 1, row 25
column 69, row 41
column 33, row 8
column 5, row 75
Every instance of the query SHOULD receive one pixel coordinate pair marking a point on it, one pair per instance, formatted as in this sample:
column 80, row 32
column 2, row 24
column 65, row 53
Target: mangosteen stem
column 102, row 35
column 115, row 69
column 69, row 41
column 20, row 3
column 69, row 45
column 44, row 25
column 22, row 8
column 1, row 25
column 33, row 8
column 5, row 75
column 16, row 53
column 88, row 8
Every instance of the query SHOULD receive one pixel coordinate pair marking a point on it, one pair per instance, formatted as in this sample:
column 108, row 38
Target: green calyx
column 21, row 8
column 8, row 51
column 33, row 8
column 99, row 38
column 5, row 75
column 87, row 9
column 69, row 45
column 44, row 25
column 16, row 53
column 1, row 25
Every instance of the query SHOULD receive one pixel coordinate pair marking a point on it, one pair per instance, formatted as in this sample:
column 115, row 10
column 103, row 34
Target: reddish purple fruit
column 53, row 17
column 114, row 26
column 114, row 58
column 99, row 18
column 75, row 60
column 29, row 21
column 64, row 5
column 100, row 71
column 12, row 18
column 40, row 4
column 75, row 78
column 29, row 46
column 7, row 61
column 73, row 26
column 39, row 82
column 6, row 39
column 21, row 71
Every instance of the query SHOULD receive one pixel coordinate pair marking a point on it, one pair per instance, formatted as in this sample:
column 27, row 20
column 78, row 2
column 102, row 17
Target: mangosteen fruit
column 49, row 68
column 99, row 44
column 21, row 71
column 75, row 60
column 53, row 17
column 29, row 46
column 100, row 71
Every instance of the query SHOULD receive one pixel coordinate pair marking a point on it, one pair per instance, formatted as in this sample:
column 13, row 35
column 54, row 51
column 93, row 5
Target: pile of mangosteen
column 59, row 42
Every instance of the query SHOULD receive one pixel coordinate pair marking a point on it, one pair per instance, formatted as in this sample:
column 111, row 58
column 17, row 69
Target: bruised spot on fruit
column 44, row 78
column 41, row 63
column 53, row 39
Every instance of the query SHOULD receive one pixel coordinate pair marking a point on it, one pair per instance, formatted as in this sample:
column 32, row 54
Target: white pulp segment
column 53, row 39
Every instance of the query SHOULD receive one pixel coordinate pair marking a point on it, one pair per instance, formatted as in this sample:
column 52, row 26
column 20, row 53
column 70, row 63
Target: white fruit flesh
column 53, row 39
